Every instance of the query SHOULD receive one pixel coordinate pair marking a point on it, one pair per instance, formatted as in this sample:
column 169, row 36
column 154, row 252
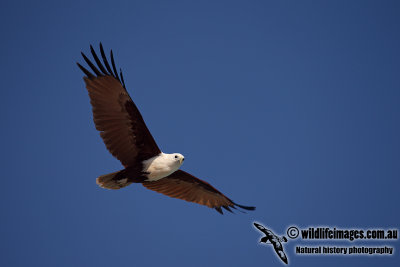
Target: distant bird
column 274, row 240
column 127, row 137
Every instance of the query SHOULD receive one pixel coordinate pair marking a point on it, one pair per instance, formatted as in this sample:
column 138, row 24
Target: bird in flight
column 127, row 138
column 273, row 240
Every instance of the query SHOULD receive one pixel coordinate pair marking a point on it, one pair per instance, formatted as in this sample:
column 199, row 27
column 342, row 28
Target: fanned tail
column 113, row 180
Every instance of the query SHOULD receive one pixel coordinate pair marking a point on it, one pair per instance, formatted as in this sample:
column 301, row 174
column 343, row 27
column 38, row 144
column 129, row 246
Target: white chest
column 160, row 166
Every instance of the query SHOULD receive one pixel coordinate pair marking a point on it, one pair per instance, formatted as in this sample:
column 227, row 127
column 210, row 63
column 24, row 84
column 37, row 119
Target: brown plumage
column 127, row 137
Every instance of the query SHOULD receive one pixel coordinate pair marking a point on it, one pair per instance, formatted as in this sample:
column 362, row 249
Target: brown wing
column 119, row 121
column 185, row 186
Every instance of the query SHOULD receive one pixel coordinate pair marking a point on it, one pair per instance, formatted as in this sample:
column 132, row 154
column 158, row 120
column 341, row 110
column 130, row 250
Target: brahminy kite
column 127, row 137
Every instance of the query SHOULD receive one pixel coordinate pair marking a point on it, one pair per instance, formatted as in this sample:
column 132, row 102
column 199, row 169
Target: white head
column 178, row 158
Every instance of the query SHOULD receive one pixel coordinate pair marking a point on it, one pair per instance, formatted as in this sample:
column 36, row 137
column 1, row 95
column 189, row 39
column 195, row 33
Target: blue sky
column 291, row 106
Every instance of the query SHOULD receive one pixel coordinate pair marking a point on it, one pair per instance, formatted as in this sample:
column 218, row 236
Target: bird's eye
column 176, row 156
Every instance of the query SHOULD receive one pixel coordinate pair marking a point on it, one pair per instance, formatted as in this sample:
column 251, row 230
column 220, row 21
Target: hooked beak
column 181, row 160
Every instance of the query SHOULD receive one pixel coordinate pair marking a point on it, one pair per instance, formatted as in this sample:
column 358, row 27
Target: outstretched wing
column 280, row 252
column 261, row 228
column 185, row 186
column 119, row 121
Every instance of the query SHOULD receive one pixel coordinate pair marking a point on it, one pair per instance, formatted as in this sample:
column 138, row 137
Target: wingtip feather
column 245, row 207
column 113, row 65
column 87, row 73
column 98, row 62
column 228, row 209
column 219, row 210
column 93, row 67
